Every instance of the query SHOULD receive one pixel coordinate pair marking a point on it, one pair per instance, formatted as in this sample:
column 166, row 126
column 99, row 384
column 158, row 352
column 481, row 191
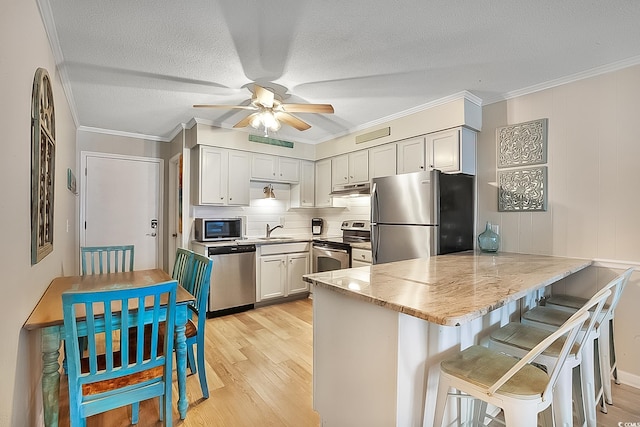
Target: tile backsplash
column 296, row 221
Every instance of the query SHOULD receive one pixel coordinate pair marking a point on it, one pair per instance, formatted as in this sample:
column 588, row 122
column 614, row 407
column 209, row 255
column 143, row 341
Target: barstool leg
column 441, row 402
column 587, row 370
column 562, row 402
column 604, row 352
column 613, row 353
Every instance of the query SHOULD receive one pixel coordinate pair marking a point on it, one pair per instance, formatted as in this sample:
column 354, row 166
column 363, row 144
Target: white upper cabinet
column 238, row 182
column 273, row 168
column 359, row 167
column 352, row 168
column 452, row 150
column 411, row 157
column 211, row 168
column 323, row 183
column 288, row 169
column 382, row 161
column 263, row 166
column 302, row 194
column 340, row 170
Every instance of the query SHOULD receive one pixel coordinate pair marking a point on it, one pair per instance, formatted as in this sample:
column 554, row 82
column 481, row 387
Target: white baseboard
column 627, row 378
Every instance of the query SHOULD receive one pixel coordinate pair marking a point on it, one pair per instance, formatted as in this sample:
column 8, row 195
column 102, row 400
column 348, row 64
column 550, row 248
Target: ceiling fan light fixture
column 265, row 119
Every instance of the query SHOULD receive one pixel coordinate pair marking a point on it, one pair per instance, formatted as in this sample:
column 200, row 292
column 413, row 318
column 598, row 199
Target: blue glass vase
column 488, row 241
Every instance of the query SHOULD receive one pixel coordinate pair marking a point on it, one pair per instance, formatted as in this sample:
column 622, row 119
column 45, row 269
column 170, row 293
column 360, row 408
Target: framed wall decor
column 43, row 150
column 522, row 189
column 522, row 144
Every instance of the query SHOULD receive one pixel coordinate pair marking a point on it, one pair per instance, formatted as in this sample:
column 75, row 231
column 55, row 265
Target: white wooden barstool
column 606, row 345
column 518, row 339
column 522, row 390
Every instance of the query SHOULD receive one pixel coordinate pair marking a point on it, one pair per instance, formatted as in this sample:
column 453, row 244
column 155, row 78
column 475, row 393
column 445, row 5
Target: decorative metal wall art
column 43, row 150
column 522, row 189
column 522, row 144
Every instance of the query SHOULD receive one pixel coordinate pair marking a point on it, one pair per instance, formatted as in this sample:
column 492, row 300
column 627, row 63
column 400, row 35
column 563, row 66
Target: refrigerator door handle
column 375, row 244
column 374, row 203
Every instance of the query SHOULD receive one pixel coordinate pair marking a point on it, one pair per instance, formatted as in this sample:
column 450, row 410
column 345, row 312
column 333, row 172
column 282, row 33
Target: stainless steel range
column 334, row 253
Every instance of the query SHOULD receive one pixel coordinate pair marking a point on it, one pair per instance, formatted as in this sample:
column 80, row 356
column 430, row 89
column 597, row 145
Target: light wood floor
column 259, row 367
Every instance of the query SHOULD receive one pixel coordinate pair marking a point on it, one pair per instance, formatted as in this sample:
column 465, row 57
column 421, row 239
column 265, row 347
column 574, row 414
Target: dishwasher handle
column 231, row 249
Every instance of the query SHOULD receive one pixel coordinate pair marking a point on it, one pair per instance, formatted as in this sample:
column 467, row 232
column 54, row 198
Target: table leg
column 50, row 374
column 181, row 360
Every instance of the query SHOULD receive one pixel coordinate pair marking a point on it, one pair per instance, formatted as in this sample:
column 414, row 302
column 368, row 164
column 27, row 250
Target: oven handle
column 323, row 249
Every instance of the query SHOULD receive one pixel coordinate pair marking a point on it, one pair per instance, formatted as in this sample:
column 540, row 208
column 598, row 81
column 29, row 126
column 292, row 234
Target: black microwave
column 214, row 229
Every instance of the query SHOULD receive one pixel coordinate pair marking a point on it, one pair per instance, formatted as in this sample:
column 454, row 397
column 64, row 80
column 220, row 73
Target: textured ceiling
column 139, row 66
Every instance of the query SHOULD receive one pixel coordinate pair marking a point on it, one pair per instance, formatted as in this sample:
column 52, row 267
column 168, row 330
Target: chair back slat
column 199, row 281
column 622, row 281
column 106, row 318
column 181, row 266
column 106, row 259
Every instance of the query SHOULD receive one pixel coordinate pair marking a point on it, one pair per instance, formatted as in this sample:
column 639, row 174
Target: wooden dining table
column 48, row 316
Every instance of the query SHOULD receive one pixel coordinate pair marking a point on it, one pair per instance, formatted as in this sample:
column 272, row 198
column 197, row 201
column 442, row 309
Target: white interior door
column 122, row 205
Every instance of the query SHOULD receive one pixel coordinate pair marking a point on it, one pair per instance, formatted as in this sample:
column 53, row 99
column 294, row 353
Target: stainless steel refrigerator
column 417, row 215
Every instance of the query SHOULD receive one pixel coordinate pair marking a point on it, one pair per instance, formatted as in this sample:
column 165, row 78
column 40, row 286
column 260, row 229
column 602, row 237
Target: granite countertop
column 449, row 289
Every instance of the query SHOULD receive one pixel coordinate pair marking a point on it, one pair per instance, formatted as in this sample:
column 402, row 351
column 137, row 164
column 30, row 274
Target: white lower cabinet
column 360, row 257
column 280, row 270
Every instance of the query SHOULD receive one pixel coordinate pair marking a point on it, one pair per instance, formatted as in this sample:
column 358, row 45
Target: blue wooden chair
column 122, row 374
column 198, row 285
column 184, row 258
column 106, row 259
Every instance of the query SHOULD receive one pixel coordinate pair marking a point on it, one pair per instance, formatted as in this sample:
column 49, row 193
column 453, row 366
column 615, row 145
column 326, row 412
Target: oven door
column 328, row 259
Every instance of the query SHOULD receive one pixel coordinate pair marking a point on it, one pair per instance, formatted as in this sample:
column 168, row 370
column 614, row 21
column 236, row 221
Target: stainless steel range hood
column 351, row 190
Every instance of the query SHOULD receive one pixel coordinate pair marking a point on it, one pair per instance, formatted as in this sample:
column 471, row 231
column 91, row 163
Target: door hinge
column 85, row 225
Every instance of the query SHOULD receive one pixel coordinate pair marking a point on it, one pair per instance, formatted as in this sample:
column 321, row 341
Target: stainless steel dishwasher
column 233, row 278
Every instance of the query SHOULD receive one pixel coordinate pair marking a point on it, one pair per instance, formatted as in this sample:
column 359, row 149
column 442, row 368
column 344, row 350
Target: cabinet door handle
column 221, row 198
column 421, row 167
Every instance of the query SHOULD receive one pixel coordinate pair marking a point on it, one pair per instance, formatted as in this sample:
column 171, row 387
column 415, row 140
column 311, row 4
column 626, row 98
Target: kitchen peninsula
column 381, row 331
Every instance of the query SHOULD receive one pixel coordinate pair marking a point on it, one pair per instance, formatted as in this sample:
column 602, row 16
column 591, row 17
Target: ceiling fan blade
column 245, row 122
column 233, row 107
column 264, row 96
column 308, row 108
column 292, row 121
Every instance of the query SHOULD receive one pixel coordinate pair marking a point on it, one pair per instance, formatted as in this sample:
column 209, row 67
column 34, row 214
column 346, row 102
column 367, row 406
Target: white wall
column 23, row 49
column 593, row 204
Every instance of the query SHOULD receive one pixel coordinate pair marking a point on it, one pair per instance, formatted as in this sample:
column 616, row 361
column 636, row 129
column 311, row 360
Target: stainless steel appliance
column 233, row 276
column 217, row 229
column 334, row 253
column 420, row 214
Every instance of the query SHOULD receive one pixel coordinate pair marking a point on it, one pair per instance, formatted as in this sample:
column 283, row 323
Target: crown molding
column 614, row 66
column 50, row 28
column 128, row 134
column 417, row 109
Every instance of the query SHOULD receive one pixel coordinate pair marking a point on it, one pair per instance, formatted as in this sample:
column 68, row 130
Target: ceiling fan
column 270, row 111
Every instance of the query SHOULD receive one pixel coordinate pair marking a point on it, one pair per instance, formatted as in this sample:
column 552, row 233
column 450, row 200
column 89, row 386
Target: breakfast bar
column 381, row 331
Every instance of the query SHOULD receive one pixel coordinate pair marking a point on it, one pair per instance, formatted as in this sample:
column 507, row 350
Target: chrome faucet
column 269, row 230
